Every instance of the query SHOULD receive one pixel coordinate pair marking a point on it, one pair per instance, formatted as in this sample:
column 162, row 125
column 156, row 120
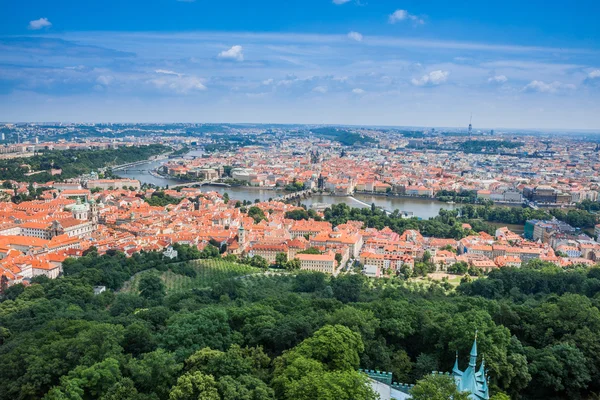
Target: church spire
column 455, row 369
column 473, row 360
column 482, row 367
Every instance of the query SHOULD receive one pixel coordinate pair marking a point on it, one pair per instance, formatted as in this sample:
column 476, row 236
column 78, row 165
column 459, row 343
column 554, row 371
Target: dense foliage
column 489, row 146
column 344, row 136
column 300, row 214
column 464, row 196
column 73, row 162
column 446, row 225
column 292, row 337
column 519, row 215
column 161, row 199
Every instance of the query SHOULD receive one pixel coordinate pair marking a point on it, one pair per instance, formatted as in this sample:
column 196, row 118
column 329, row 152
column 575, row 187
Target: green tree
column 244, row 387
column 293, row 264
column 281, row 259
column 336, row 346
column 151, row 287
column 155, row 372
column 195, row 386
column 257, row 213
column 437, row 387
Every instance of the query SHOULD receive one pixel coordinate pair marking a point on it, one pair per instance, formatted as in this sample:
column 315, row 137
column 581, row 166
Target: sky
column 432, row 63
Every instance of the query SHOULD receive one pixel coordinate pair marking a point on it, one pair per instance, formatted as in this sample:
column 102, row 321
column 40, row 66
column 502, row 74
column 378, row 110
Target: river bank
column 419, row 207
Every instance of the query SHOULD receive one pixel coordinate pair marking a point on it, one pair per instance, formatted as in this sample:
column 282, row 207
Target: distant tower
column 470, row 126
column 37, row 140
column 242, row 236
column 3, row 137
column 93, row 213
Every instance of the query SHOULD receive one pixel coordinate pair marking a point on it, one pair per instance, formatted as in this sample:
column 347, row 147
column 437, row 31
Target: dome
column 78, row 207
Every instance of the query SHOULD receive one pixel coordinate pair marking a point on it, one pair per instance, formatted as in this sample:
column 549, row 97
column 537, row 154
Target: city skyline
column 327, row 62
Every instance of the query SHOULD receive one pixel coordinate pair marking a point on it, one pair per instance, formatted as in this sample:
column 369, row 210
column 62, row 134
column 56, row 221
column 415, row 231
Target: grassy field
column 208, row 273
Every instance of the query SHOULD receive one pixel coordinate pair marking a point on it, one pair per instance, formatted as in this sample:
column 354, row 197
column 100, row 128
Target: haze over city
column 407, row 63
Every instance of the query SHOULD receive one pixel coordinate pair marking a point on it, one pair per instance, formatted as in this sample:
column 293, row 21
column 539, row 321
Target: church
column 472, row 380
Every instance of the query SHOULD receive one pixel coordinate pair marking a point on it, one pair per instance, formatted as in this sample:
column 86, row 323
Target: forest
column 73, row 162
column 294, row 336
column 489, row 146
column 344, row 136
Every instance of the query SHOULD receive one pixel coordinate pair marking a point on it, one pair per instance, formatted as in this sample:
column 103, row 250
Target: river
column 422, row 208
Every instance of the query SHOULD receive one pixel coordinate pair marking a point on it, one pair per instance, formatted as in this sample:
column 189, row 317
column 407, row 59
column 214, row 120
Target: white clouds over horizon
column 498, row 79
column 39, row 24
column 322, row 76
column 403, row 15
column 355, row 36
column 340, row 2
column 552, row 87
column 234, row 53
column 433, row 78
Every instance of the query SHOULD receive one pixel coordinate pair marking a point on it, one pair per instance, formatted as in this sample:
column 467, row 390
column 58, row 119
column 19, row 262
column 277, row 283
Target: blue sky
column 513, row 64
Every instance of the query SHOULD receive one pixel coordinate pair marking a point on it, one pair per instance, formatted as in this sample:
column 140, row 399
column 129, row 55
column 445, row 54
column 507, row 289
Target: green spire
column 455, row 369
column 482, row 367
column 473, row 360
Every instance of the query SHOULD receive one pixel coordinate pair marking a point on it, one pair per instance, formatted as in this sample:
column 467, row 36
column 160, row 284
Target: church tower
column 93, row 213
column 471, row 379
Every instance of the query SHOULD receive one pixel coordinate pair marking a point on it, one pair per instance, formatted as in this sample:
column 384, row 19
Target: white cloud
column 433, row 78
column 339, row 2
column 403, row 15
column 498, row 79
column 104, row 80
column 355, row 36
column 358, row 91
column 178, row 83
column 234, row 53
column 594, row 74
column 166, row 72
column 39, row 24
column 268, row 81
column 543, row 87
column 320, row 89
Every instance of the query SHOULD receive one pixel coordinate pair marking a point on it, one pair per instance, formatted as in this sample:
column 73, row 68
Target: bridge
column 199, row 183
column 126, row 170
column 132, row 164
column 295, row 195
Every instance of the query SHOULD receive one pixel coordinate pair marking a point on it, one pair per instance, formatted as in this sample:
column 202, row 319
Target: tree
column 210, row 251
column 281, row 259
column 338, row 258
column 259, row 262
column 226, row 197
column 151, row 287
column 257, row 213
column 437, row 387
column 244, row 387
column 336, row 346
column 293, row 265
column 155, row 372
column 347, row 288
column 195, row 386
column 338, row 385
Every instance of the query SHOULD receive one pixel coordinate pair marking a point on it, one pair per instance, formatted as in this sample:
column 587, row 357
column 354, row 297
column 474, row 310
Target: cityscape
column 313, row 235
